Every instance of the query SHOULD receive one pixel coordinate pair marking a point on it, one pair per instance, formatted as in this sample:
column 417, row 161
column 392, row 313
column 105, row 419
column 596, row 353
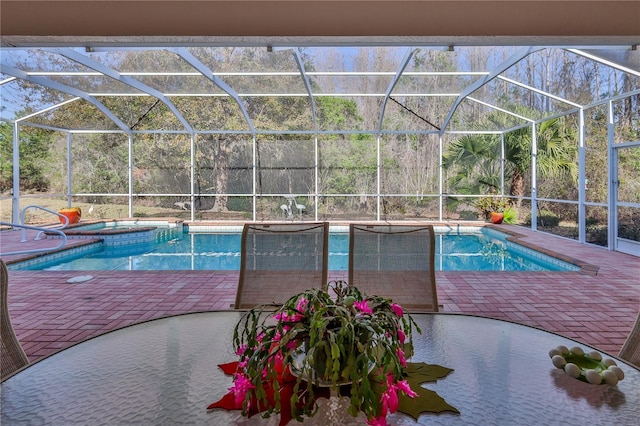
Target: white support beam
column 605, row 62
column 51, row 108
column 192, row 177
column 403, row 64
column 45, row 82
column 534, row 177
column 110, row 72
column 314, row 116
column 513, row 114
column 538, row 91
column 130, row 168
column 307, row 85
column 69, row 169
column 15, row 196
column 208, row 73
column 505, row 65
column 582, row 179
column 612, row 180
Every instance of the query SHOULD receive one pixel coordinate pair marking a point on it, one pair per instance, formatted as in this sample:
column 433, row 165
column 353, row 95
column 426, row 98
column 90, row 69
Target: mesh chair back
column 630, row 351
column 395, row 261
column 279, row 260
column 12, row 357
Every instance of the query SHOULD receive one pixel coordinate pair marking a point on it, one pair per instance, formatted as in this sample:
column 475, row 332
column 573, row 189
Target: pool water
column 479, row 251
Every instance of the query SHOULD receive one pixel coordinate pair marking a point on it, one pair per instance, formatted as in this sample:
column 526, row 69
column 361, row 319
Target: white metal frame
column 465, row 95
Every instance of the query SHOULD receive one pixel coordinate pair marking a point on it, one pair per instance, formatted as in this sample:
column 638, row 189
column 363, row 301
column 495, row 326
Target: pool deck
column 597, row 305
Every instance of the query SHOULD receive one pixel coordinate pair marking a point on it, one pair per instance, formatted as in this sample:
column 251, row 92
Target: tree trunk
column 221, row 162
column 517, row 186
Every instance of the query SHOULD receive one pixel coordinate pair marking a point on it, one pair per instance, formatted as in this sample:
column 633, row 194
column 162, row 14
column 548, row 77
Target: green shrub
column 468, row 215
column 629, row 231
column 486, row 205
column 592, row 221
column 239, row 204
column 545, row 218
column 510, row 216
column 598, row 235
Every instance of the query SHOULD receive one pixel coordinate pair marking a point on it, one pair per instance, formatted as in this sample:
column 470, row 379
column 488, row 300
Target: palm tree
column 475, row 159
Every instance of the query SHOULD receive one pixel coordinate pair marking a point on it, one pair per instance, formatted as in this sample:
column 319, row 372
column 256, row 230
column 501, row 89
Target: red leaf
column 228, row 402
column 229, row 368
column 287, row 382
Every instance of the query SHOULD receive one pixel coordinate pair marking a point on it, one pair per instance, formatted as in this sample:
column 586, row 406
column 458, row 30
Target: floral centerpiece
column 318, row 341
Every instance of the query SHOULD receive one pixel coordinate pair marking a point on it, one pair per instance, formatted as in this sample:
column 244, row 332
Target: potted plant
column 72, row 213
column 510, row 215
column 317, row 341
column 492, row 208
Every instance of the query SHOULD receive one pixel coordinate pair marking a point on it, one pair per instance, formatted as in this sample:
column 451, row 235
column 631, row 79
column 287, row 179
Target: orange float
column 73, row 214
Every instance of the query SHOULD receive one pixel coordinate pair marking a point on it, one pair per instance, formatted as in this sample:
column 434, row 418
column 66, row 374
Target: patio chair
column 395, row 261
column 12, row 357
column 279, row 260
column 631, row 349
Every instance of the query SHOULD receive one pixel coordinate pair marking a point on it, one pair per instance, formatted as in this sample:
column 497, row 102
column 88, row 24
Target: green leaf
column 427, row 400
column 335, row 351
column 420, row 372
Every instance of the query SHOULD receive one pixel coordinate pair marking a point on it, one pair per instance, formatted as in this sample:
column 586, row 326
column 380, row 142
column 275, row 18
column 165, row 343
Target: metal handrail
column 39, row 234
column 35, row 228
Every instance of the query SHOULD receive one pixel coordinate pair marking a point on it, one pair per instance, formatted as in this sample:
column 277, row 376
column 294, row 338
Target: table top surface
column 165, row 372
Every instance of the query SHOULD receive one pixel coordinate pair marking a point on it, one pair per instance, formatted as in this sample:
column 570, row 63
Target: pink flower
column 378, row 421
column 402, row 359
column 241, row 349
column 404, row 387
column 363, row 307
column 390, row 401
column 302, row 304
column 287, row 317
column 397, row 309
column 241, row 386
column 278, row 336
column 292, row 344
column 389, row 398
column 401, row 336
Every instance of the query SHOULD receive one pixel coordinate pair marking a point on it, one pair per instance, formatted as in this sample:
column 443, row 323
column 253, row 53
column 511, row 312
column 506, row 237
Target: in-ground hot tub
column 115, row 233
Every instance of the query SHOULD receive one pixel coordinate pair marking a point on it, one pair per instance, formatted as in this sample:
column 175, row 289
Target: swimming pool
column 473, row 249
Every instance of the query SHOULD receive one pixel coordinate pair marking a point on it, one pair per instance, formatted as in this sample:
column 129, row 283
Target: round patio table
column 165, row 372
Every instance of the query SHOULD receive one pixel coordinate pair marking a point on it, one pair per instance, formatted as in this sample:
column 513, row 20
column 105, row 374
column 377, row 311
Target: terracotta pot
column 73, row 214
column 496, row 217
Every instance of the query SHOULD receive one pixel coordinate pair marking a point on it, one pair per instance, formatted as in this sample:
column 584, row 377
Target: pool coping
column 90, row 237
column 518, row 238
